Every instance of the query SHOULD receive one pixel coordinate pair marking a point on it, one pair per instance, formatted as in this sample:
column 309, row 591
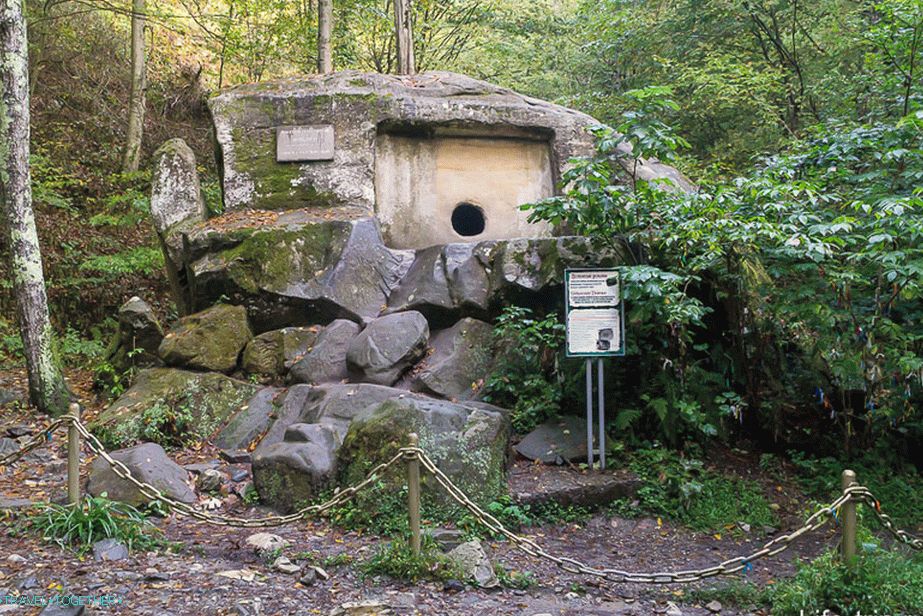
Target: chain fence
column 851, row 494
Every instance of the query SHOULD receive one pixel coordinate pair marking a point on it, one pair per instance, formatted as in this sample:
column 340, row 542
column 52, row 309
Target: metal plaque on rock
column 304, row 143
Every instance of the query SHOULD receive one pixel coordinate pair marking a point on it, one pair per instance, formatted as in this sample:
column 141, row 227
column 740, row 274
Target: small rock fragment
column 284, row 565
column 714, row 606
column 209, row 480
column 266, row 543
column 110, row 549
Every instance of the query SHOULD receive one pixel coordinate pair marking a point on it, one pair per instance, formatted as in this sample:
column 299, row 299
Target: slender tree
column 136, row 105
column 404, row 35
column 47, row 388
column 324, row 30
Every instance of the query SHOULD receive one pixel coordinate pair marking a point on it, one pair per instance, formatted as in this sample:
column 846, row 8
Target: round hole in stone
column 468, row 219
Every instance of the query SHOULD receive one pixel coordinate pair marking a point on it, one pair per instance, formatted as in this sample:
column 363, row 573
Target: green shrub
column 96, row 518
column 396, row 559
column 682, row 489
column 142, row 260
column 527, row 378
column 880, row 583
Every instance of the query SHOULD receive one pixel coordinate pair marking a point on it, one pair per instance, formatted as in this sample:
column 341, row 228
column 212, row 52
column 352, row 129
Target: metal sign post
column 595, row 329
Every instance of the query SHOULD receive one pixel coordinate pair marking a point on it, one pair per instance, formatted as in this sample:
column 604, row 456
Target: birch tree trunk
column 324, row 30
column 47, row 388
column 136, row 105
column 404, row 36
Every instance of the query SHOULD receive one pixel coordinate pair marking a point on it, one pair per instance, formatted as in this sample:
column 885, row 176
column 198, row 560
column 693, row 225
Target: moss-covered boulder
column 209, row 340
column 171, row 407
column 273, row 353
column 468, row 441
column 295, row 269
column 288, row 474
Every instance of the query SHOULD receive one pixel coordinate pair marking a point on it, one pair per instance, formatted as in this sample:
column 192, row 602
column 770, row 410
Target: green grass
column 97, row 518
column 899, row 488
column 882, row 582
column 682, row 489
column 395, row 559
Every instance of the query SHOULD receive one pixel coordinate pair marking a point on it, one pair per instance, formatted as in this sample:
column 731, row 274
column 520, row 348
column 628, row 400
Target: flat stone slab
column 558, row 440
column 532, row 484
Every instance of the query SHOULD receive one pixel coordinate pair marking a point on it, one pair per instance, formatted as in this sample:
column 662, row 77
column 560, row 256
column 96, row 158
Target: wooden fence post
column 73, row 458
column 848, row 521
column 413, row 497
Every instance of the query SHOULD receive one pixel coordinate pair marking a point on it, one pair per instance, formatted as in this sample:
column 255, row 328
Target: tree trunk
column 404, row 37
column 136, row 105
column 47, row 388
column 324, row 30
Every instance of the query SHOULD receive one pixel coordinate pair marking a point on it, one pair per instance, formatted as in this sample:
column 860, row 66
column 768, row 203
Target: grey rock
column 7, row 396
column 461, row 357
column 387, row 348
column 473, row 561
column 284, row 565
column 15, row 503
column 326, row 362
column 7, row 446
column 210, row 480
column 148, row 463
column 110, row 549
column 266, row 543
column 15, row 558
column 176, row 196
column 425, row 287
column 28, row 583
column 63, row 610
column 137, row 338
column 239, row 474
column 467, row 440
column 209, row 340
column 447, row 538
column 252, row 420
column 198, row 468
column 235, row 456
column 356, row 104
column 466, row 271
column 19, row 430
column 274, row 352
column 714, row 606
column 290, row 473
column 308, row 577
column 302, row 265
column 366, row 607
column 558, row 440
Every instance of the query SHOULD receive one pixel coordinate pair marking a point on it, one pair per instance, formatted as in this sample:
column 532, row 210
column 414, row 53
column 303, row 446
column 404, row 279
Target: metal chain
column 33, row 443
column 733, row 565
column 339, row 498
column 865, row 495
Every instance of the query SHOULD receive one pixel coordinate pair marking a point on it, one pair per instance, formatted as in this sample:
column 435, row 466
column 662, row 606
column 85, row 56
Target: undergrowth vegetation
column 95, row 518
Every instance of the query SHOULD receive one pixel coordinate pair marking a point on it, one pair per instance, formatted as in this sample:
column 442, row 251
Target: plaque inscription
column 304, row 143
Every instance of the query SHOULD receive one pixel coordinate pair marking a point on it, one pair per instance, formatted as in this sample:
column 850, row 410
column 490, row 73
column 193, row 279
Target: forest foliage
column 782, row 298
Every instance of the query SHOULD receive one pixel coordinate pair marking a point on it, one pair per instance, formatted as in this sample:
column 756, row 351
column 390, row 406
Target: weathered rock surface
column 565, row 486
column 289, row 474
column 253, row 419
column 138, row 337
column 175, row 193
column 319, row 416
column 356, row 104
column 326, row 362
column 176, row 204
column 387, row 348
column 147, row 462
column 208, row 398
column 295, row 267
column 109, row 549
column 209, row 340
column 558, row 440
column 468, row 441
column 461, row 356
column 473, row 562
column 274, row 352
